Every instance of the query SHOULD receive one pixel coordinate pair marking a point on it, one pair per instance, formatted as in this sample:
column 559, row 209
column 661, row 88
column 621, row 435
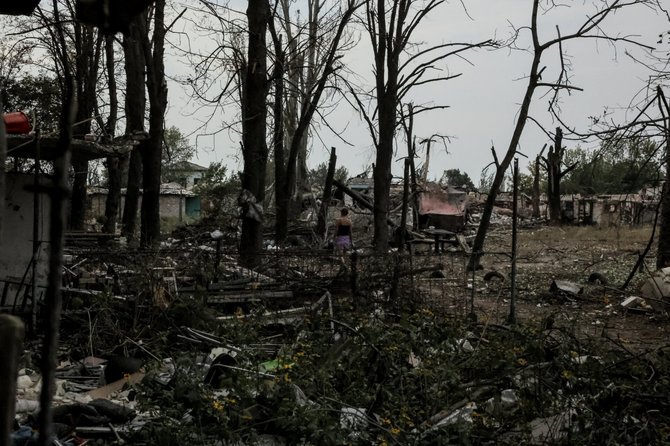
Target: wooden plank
column 255, row 296
column 106, row 391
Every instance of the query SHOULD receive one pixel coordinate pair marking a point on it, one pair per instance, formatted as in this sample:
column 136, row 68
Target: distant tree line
column 617, row 167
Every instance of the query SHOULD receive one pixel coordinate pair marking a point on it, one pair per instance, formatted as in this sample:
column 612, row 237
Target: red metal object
column 16, row 123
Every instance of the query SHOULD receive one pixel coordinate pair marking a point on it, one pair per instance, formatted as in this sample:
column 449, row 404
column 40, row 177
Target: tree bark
column 408, row 123
column 554, row 158
column 87, row 47
column 135, row 103
column 150, row 229
column 405, row 204
column 281, row 194
column 322, row 223
column 536, row 185
column 382, row 171
column 113, row 163
column 113, row 194
column 387, row 57
column 132, row 202
column 663, row 256
column 254, row 128
column 78, row 197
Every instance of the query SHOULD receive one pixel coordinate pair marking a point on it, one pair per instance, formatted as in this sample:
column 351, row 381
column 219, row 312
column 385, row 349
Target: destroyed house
column 609, row 210
column 25, row 231
column 176, row 202
column 442, row 208
column 188, row 174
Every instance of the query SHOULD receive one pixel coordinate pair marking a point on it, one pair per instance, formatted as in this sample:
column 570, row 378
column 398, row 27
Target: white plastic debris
column 413, row 360
column 508, row 397
column 25, row 406
column 464, row 345
column 24, row 382
column 353, row 420
column 507, row 400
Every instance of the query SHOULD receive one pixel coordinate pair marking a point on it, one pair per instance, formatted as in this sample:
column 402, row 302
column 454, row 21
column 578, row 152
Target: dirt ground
column 567, row 253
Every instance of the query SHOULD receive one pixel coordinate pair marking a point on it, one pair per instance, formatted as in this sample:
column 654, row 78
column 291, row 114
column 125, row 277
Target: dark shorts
column 342, row 242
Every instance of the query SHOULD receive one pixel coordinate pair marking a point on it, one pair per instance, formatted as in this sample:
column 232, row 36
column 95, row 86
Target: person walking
column 343, row 241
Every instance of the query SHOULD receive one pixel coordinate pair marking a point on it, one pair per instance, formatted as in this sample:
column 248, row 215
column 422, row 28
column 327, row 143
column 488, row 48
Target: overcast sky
column 483, row 102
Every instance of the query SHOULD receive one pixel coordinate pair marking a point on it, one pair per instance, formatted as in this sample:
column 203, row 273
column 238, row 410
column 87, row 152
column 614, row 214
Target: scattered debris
column 563, row 286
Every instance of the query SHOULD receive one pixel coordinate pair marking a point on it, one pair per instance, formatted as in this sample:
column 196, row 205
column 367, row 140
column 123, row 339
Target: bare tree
column 410, row 138
column 113, row 163
column 391, row 26
column 154, row 50
column 591, row 28
column 83, row 45
column 135, row 104
column 254, row 130
column 306, row 94
column 536, row 183
column 663, row 257
column 555, row 173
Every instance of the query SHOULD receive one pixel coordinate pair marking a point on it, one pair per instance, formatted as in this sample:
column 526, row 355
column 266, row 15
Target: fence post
column 11, row 333
column 511, row 319
column 354, row 274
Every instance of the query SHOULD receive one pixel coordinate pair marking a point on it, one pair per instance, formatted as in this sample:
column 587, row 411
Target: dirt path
column 568, row 254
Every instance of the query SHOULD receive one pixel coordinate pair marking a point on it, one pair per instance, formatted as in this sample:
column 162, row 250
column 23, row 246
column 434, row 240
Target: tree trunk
column 387, row 54
column 135, row 110
column 554, row 158
column 303, row 185
column 382, row 171
column 408, row 123
column 78, row 197
column 415, row 189
column 131, row 205
column 113, row 194
column 113, row 163
column 150, row 229
column 87, row 48
column 405, row 204
column 281, row 194
column 536, row 187
column 663, row 257
column 254, row 127
column 322, row 223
